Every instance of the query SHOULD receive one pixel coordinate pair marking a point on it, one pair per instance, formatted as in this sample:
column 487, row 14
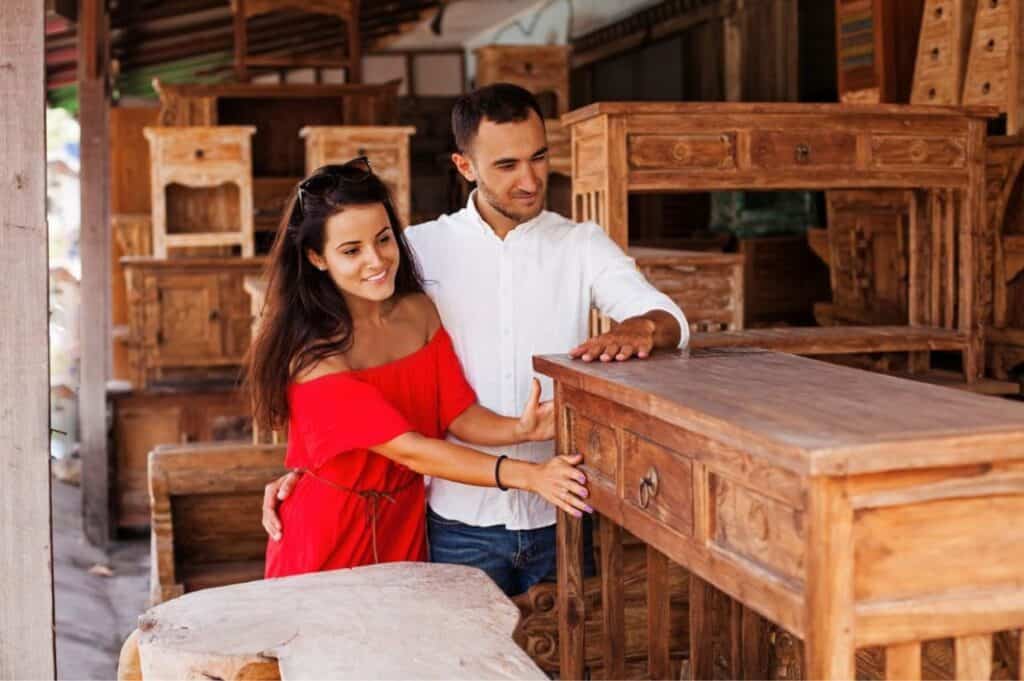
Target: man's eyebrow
column 542, row 150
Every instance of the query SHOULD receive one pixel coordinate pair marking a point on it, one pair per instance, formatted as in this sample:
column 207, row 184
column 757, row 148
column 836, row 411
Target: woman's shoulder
column 422, row 312
column 328, row 366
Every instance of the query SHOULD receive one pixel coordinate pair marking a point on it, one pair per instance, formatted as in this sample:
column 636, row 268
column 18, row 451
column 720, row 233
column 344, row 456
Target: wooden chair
column 206, row 528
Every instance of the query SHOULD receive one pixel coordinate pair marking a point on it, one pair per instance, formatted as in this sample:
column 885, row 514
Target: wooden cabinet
column 708, row 287
column 996, row 59
column 541, row 69
column 190, row 317
column 868, row 236
column 853, row 510
column 202, row 157
column 141, row 420
column 942, row 51
column 387, row 147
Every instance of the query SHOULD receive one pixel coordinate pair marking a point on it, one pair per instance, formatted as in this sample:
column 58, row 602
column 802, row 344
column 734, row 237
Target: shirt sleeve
column 344, row 414
column 454, row 392
column 618, row 289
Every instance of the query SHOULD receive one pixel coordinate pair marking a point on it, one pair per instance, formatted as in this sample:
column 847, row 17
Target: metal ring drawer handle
column 648, row 487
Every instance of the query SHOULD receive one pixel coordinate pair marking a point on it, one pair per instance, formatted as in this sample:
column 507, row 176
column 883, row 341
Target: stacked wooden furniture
column 345, row 10
column 942, row 51
column 210, row 157
column 707, row 286
column 206, row 514
column 142, row 419
column 995, row 65
column 875, row 60
column 935, row 152
column 387, row 148
column 887, row 530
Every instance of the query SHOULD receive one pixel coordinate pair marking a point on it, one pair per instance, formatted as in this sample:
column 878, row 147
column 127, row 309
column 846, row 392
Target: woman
column 351, row 355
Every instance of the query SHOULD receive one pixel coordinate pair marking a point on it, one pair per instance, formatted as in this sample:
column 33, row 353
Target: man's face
column 509, row 163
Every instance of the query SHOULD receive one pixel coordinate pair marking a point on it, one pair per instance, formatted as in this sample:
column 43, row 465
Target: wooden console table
column 937, row 152
column 852, row 509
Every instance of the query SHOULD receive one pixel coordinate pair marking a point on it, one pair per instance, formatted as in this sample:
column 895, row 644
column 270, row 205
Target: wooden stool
column 397, row 620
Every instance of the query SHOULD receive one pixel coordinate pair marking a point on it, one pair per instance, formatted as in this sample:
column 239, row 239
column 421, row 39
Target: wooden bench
column 206, row 514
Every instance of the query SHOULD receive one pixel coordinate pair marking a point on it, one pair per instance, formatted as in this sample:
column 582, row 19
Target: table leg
column 659, row 628
column 613, row 619
column 571, row 612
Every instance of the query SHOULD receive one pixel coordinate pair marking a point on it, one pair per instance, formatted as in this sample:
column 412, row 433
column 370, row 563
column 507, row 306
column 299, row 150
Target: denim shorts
column 514, row 559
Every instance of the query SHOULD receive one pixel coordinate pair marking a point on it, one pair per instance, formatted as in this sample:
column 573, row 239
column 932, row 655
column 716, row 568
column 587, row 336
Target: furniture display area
column 936, row 153
column 189, row 317
column 878, row 515
column 202, row 157
column 387, row 148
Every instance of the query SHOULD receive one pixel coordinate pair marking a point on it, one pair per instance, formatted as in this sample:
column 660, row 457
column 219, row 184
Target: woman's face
column 360, row 252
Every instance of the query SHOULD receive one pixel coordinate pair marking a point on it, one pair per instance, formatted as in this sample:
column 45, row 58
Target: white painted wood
column 390, row 621
column 26, row 582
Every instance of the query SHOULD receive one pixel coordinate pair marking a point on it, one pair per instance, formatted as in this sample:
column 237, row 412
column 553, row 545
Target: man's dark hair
column 500, row 103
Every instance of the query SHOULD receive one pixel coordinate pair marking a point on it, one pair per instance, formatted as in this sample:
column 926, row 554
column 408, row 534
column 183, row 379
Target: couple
column 354, row 355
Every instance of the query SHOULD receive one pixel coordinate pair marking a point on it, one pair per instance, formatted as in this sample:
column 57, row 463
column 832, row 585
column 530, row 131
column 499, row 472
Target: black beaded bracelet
column 497, row 476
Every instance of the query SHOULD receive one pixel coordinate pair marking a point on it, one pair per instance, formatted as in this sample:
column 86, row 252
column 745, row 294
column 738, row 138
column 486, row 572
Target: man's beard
column 494, row 203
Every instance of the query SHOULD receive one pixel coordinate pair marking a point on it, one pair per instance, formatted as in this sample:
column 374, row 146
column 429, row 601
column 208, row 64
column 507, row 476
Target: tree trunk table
column 396, row 620
column 855, row 510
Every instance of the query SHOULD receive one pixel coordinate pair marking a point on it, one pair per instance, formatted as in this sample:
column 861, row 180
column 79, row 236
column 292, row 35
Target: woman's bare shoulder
column 334, row 364
column 421, row 309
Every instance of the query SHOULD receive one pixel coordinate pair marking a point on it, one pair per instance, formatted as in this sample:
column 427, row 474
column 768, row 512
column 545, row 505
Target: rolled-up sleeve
column 617, row 288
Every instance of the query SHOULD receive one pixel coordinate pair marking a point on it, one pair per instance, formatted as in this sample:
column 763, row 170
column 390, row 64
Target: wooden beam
column 95, row 249
column 26, row 577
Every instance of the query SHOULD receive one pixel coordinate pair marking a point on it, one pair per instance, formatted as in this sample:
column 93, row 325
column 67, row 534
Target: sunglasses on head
column 327, row 178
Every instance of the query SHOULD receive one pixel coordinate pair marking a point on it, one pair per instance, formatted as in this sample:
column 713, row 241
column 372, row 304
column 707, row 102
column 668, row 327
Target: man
column 510, row 281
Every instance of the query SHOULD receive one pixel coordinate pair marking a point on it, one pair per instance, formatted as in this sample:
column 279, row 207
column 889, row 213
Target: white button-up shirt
column 504, row 301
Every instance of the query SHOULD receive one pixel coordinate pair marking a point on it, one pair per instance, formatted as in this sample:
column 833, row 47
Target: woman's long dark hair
column 305, row 318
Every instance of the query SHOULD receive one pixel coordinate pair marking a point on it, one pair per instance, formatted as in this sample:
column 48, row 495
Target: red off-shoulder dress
column 355, row 507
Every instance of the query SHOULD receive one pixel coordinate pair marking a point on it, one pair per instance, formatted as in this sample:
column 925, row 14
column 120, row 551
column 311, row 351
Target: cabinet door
column 385, row 159
column 188, row 329
column 235, row 315
column 137, row 430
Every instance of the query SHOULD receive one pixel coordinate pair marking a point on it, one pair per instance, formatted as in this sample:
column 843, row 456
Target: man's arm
column 637, row 336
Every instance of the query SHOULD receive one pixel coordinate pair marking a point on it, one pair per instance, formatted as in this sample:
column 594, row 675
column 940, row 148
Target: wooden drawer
column 596, row 441
column 193, row 152
column 381, row 156
column 987, row 78
column 658, row 481
column 782, row 149
column 649, row 152
column 539, row 68
column 906, row 150
column 757, row 528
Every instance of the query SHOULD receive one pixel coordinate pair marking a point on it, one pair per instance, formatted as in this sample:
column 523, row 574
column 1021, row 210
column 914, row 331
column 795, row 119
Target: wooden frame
column 889, row 529
column 663, row 147
column 346, row 10
column 387, row 147
column 26, row 566
column 237, row 473
column 201, row 157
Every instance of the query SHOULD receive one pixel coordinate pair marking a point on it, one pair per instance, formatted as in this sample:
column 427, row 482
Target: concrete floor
column 94, row 613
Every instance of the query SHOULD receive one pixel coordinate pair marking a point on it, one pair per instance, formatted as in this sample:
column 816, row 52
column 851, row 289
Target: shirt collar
column 521, row 228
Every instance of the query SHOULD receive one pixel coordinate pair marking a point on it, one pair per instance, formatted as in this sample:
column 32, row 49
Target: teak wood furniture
column 387, row 147
column 942, row 51
column 707, row 286
column 541, row 69
column 883, row 513
column 995, row 65
column 188, row 316
column 938, row 152
column 346, row 10
column 874, row 57
column 206, row 521
column 207, row 157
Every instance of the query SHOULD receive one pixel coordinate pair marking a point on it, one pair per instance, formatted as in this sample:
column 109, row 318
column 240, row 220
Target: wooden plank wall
column 95, row 249
column 26, row 580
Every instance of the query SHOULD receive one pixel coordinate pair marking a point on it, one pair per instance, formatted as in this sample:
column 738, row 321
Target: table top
column 809, row 416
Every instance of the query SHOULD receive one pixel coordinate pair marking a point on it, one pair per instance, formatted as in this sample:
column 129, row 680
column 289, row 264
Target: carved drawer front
column 757, row 528
column 783, row 149
column 659, row 482
column 902, row 150
column 198, row 151
column 599, row 445
column 675, row 152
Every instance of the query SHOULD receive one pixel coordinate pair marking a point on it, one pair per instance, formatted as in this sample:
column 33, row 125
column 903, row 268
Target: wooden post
column 93, row 42
column 354, row 73
column 26, row 579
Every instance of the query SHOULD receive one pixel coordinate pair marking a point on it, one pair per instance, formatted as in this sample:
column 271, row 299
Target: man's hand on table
column 633, row 337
